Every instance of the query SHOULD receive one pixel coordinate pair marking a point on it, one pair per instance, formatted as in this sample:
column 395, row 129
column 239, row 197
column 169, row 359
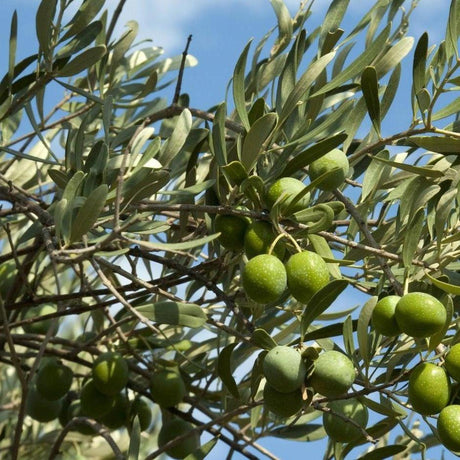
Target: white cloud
column 169, row 22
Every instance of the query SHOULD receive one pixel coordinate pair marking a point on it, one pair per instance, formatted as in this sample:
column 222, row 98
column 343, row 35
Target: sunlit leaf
column 254, row 141
column 239, row 87
column 174, row 313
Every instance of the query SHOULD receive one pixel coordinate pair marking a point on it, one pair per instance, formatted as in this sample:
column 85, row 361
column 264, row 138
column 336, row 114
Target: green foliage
column 131, row 224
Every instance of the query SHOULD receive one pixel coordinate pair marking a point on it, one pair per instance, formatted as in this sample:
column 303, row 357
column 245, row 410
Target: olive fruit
column 428, row 389
column 340, row 430
column 258, row 238
column 448, row 426
column 334, row 160
column 290, row 187
column 141, row 409
column 93, row 402
column 118, row 416
column 174, row 428
column 452, row 362
column 284, row 369
column 39, row 327
column 307, row 273
column 282, row 404
column 110, row 373
column 232, row 229
column 54, row 380
column 264, row 278
column 41, row 409
column 420, row 315
column 383, row 316
column 333, row 374
column 167, row 388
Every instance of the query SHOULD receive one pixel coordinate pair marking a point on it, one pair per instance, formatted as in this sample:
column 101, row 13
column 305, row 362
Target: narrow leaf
column 219, row 143
column 452, row 30
column 363, row 329
column 301, row 432
column 174, row 246
column 384, row 452
column 446, row 287
column 391, row 58
column 334, row 16
column 321, row 302
column 332, row 330
column 12, row 46
column 358, row 64
column 303, row 85
column 322, row 248
column 312, row 153
column 423, row 171
column 239, row 97
column 177, row 139
column 224, row 369
column 284, row 26
column 254, row 141
column 439, row 144
column 73, row 186
column 419, row 63
column 87, row 12
column 370, row 89
column 262, row 339
column 83, row 61
column 174, row 313
column 43, row 24
column 81, row 40
column 89, row 212
column 134, row 440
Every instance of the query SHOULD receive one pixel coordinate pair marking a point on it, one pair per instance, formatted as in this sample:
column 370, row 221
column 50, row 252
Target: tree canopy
column 170, row 270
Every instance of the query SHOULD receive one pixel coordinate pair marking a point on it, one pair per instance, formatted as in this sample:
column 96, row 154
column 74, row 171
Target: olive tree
column 173, row 277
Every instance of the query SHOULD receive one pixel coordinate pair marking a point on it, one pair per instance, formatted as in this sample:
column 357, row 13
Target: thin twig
column 97, row 427
column 368, row 235
column 181, row 71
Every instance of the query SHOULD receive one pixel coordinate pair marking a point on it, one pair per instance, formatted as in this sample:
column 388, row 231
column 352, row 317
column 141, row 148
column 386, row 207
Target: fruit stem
column 279, row 237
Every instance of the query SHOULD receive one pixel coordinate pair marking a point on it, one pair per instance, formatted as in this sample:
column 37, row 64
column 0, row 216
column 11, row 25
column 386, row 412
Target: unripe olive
column 167, row 388
column 452, row 362
column 264, row 279
column 334, row 160
column 428, row 389
column 307, row 273
column 383, row 316
column 448, row 426
column 284, row 369
column 341, row 430
column 282, row 404
column 110, row 373
column 175, row 428
column 420, row 315
column 54, row 380
column 333, row 374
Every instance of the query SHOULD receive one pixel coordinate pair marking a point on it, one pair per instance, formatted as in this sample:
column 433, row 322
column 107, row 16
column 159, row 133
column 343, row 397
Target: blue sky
column 220, row 29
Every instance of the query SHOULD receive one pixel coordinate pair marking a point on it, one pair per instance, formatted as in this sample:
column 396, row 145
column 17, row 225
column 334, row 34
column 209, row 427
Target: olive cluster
column 420, row 315
column 289, row 376
column 102, row 397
